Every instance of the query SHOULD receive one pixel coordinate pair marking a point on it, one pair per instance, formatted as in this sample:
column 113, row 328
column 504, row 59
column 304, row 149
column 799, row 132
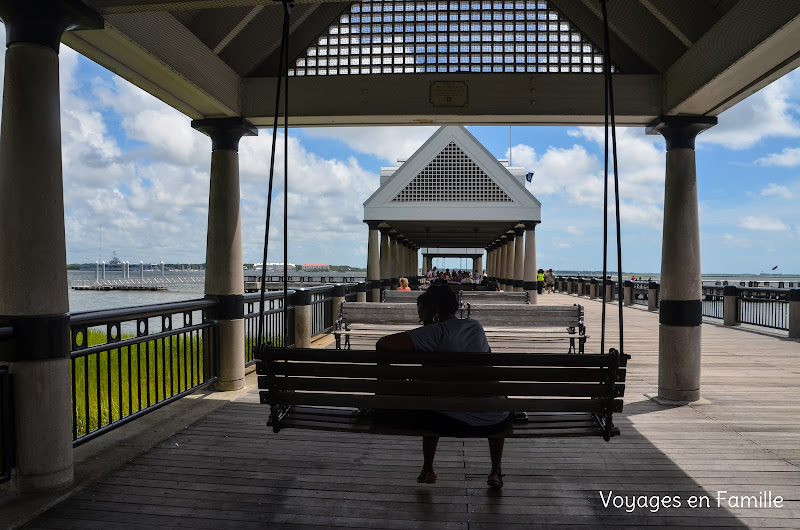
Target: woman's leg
column 429, row 444
column 495, row 478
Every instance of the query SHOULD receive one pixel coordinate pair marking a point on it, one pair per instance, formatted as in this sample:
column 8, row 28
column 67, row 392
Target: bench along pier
column 564, row 395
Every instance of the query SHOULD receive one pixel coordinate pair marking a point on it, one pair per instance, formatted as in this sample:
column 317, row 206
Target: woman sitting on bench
column 442, row 331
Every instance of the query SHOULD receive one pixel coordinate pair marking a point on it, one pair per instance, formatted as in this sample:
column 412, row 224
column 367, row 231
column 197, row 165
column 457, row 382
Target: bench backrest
column 372, row 313
column 494, row 297
column 454, row 381
column 520, row 315
column 403, row 297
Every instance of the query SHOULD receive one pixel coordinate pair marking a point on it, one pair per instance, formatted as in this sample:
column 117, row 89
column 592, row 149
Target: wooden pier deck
column 229, row 471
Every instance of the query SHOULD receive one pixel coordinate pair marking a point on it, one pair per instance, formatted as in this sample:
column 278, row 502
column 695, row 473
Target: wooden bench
column 541, row 317
column 370, row 313
column 401, row 297
column 495, row 297
column 563, row 395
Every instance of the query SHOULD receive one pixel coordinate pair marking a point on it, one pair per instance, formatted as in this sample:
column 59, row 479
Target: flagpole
column 509, row 146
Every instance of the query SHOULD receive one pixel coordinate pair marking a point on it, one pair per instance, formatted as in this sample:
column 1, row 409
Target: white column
column 680, row 316
column 518, row 259
column 502, row 255
column 386, row 272
column 510, row 258
column 373, row 259
column 32, row 240
column 224, row 272
column 393, row 270
column 529, row 275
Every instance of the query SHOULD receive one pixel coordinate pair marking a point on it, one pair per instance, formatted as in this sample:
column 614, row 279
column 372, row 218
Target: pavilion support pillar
column 510, row 259
column 393, row 269
column 501, row 262
column 529, row 273
column 489, row 257
column 373, row 260
column 224, row 276
column 399, row 257
column 477, row 265
column 32, row 234
column 494, row 274
column 385, row 267
column 680, row 318
column 519, row 256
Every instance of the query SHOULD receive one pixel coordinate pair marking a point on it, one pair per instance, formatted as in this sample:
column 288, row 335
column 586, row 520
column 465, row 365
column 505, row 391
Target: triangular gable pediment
column 452, row 177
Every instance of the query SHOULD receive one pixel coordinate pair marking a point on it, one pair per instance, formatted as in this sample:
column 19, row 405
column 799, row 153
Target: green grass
column 128, row 379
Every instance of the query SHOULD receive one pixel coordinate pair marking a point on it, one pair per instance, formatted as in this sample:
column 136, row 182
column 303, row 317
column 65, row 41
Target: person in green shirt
column 539, row 281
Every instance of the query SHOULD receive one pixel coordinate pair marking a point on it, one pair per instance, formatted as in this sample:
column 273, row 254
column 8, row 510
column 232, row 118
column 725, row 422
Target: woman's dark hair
column 441, row 297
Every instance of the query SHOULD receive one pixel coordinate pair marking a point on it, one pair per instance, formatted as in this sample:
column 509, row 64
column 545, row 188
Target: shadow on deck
column 228, row 470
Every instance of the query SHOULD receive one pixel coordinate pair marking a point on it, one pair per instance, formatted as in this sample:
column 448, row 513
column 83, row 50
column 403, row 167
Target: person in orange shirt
column 404, row 285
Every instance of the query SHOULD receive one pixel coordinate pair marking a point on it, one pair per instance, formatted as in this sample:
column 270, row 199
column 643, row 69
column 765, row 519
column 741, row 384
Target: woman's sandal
column 427, row 477
column 495, row 479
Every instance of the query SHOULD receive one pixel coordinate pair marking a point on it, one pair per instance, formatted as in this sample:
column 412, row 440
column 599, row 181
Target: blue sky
column 136, row 175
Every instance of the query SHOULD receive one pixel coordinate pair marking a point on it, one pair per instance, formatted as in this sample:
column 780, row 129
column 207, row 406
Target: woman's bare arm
column 395, row 342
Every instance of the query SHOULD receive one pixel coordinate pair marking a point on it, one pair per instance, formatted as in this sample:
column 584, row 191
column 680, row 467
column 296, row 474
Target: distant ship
column 115, row 264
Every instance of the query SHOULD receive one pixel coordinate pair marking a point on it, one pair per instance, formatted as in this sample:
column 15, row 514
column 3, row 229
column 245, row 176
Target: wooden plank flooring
column 229, row 471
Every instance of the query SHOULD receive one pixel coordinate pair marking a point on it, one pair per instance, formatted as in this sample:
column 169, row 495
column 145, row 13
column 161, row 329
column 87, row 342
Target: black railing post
column 627, row 293
column 730, row 305
column 652, row 296
column 301, row 300
column 794, row 313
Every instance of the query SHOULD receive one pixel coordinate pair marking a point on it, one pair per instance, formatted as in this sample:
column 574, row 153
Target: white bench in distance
column 402, row 314
column 564, row 322
column 495, row 297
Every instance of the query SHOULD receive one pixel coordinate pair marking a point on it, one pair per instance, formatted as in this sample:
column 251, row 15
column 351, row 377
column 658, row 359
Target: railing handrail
column 102, row 316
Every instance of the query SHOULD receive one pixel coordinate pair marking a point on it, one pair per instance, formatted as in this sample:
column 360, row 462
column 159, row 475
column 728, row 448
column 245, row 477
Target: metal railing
column 713, row 302
column 273, row 321
column 322, row 311
column 763, row 307
column 641, row 293
column 128, row 362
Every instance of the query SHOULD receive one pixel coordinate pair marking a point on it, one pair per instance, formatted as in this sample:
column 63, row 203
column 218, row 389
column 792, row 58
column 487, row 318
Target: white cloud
column 574, row 230
column 767, row 224
column 577, row 174
column 735, row 242
column 388, row 143
column 777, row 190
column 767, row 113
column 789, row 157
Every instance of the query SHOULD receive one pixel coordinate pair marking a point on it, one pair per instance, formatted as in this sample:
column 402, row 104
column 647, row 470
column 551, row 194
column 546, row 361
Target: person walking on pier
column 539, row 281
column 441, row 331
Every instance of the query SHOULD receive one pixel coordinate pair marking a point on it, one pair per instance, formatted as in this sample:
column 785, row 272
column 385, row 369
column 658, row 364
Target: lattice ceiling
column 384, row 37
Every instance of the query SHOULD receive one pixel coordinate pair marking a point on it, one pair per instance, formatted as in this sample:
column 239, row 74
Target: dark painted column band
column 339, row 290
column 231, row 306
column 225, row 133
column 44, row 21
column 529, row 286
column 36, row 338
column 794, row 295
column 519, row 283
column 685, row 313
column 301, row 297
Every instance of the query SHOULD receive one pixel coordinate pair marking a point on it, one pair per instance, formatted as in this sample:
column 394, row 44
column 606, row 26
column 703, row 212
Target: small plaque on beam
column 449, row 93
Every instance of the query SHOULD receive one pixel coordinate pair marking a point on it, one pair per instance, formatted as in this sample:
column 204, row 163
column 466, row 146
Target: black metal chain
column 610, row 116
column 283, row 79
